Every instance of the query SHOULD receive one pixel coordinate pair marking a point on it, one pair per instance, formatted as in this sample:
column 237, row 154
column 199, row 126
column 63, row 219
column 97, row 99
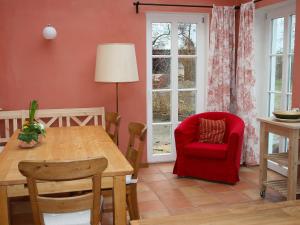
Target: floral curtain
column 221, row 63
column 245, row 81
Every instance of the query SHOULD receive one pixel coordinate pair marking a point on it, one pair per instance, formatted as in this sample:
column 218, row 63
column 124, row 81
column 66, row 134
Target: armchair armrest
column 183, row 136
column 186, row 132
column 235, row 143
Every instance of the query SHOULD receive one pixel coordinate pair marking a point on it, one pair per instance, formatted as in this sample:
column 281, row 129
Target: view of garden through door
column 176, row 80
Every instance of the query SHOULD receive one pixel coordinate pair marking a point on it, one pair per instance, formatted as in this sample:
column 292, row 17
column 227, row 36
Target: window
column 176, row 53
column 281, row 59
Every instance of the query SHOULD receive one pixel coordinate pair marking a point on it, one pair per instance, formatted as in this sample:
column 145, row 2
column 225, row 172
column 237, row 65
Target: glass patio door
column 281, row 39
column 176, row 53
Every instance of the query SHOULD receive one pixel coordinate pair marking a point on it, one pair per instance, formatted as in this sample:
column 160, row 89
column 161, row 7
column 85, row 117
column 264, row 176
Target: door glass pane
column 161, row 73
column 187, row 38
column 186, row 104
column 161, row 38
column 286, row 147
column 291, row 72
column 161, row 106
column 292, row 33
column 276, row 73
column 274, row 102
column 161, row 139
column 186, row 72
column 274, row 143
column 277, row 35
column 289, row 102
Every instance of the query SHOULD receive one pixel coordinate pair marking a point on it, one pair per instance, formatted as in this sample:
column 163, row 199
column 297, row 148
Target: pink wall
column 60, row 73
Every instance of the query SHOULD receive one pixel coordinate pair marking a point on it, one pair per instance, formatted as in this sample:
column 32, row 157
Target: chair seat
column 73, row 218
column 206, row 150
column 129, row 179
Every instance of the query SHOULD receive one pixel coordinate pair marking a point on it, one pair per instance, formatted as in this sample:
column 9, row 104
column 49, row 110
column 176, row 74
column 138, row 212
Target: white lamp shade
column 116, row 62
column 49, row 32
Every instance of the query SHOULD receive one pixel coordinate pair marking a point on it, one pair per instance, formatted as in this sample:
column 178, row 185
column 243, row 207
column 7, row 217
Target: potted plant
column 32, row 131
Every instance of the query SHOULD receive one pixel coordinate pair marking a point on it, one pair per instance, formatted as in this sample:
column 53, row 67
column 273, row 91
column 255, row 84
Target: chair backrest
column 112, row 124
column 13, row 120
column 10, row 121
column 64, row 171
column 65, row 117
column 137, row 135
column 192, row 123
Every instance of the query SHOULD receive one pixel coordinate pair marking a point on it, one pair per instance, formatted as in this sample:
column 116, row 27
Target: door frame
column 201, row 19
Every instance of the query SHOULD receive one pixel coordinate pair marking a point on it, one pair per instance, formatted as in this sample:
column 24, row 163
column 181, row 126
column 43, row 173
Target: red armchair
column 215, row 162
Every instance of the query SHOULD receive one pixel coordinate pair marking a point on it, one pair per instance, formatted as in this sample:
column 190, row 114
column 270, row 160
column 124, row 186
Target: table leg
column 293, row 164
column 4, row 210
column 263, row 160
column 119, row 197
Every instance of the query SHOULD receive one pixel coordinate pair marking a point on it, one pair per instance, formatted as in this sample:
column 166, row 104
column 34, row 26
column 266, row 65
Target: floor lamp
column 116, row 63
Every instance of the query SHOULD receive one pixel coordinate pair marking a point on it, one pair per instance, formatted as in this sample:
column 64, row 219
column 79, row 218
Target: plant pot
column 23, row 144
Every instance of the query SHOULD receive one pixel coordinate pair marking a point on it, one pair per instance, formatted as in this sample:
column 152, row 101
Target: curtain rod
column 137, row 4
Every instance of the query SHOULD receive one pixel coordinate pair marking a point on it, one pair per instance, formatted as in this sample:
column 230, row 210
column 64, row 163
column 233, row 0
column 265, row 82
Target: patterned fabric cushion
column 211, row 131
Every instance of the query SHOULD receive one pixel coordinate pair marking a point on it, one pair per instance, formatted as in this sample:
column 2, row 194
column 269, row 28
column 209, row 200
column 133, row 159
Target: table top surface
column 287, row 212
column 63, row 143
column 270, row 120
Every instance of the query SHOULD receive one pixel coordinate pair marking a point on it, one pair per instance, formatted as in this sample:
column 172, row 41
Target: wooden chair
column 71, row 117
column 112, row 122
column 10, row 121
column 82, row 209
column 137, row 135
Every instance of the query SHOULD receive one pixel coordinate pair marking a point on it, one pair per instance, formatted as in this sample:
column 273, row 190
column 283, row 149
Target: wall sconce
column 49, row 32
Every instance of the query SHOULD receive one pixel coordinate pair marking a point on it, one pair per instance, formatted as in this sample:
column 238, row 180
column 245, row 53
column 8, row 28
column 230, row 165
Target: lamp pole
column 117, row 97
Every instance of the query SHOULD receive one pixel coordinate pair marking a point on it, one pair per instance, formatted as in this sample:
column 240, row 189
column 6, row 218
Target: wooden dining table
column 65, row 143
column 281, row 213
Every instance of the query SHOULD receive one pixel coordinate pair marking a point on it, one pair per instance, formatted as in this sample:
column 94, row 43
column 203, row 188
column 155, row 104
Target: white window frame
column 263, row 29
column 284, row 12
column 201, row 19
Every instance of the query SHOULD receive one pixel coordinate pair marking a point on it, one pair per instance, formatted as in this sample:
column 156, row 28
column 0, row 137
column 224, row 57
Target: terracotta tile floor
column 160, row 193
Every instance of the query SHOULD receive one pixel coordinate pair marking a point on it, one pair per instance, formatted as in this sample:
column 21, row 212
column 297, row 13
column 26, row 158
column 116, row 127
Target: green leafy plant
column 31, row 128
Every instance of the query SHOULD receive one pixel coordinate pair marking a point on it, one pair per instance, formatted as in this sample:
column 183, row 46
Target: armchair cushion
column 211, row 131
column 206, row 150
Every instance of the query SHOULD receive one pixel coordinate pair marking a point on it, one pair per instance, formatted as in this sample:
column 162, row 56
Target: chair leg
column 132, row 202
column 129, row 205
column 135, row 202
